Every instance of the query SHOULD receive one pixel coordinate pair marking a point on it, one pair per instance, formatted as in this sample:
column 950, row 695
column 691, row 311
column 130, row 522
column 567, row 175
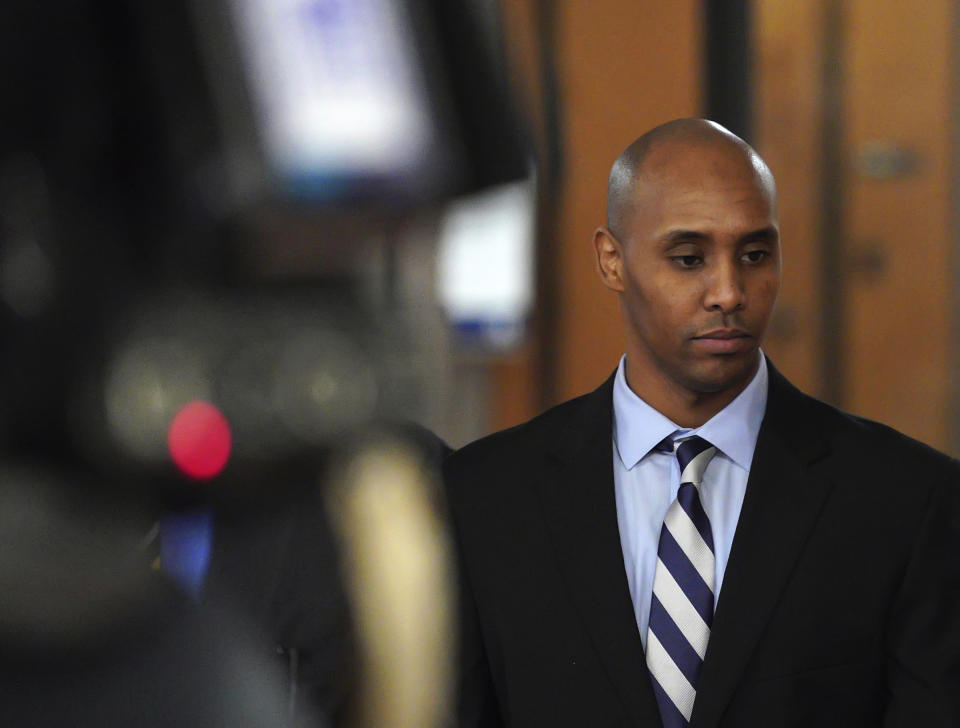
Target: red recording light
column 199, row 440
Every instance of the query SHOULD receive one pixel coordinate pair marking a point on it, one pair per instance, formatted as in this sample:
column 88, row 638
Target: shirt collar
column 638, row 427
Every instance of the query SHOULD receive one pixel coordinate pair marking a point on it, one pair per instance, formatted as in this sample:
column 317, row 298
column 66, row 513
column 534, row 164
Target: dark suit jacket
column 840, row 603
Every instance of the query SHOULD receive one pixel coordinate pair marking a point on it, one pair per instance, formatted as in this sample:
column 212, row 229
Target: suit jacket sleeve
column 476, row 701
column 923, row 640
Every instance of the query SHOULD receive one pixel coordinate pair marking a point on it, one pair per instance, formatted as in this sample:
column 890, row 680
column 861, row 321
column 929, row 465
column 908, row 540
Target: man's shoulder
column 871, row 444
column 536, row 432
column 506, row 454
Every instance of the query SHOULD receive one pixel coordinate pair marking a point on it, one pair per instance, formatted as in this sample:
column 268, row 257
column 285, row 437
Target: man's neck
column 684, row 406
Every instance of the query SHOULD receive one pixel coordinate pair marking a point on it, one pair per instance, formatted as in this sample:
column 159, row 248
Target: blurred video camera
column 203, row 208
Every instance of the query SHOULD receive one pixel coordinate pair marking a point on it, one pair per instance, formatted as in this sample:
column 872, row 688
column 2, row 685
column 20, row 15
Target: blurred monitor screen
column 340, row 97
column 485, row 277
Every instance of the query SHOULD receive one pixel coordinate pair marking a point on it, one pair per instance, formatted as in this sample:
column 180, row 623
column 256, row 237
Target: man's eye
column 755, row 256
column 687, row 261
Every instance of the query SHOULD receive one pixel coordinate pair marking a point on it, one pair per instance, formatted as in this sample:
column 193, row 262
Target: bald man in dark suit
column 697, row 542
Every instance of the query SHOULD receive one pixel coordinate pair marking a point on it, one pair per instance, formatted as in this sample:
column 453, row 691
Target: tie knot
column 693, row 455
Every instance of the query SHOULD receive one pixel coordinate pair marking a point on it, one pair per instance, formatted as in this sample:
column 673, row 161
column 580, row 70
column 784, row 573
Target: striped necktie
column 681, row 609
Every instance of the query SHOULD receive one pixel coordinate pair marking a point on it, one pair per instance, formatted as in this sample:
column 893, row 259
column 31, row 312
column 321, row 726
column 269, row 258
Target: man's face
column 698, row 267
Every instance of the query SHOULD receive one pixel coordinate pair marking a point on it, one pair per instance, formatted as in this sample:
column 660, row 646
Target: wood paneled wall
column 877, row 284
column 899, row 111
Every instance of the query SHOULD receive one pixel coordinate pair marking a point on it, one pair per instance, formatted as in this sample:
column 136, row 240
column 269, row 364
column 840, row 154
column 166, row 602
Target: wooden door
column 856, row 97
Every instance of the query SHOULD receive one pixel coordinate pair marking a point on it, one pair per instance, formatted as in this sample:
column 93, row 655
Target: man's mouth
column 724, row 334
column 724, row 341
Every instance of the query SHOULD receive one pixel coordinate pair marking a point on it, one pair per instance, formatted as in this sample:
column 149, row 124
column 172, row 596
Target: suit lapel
column 781, row 506
column 580, row 509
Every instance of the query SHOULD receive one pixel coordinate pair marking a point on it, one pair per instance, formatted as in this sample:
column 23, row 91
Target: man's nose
column 725, row 289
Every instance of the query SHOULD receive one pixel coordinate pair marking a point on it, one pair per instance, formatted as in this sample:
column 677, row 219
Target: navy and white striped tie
column 681, row 609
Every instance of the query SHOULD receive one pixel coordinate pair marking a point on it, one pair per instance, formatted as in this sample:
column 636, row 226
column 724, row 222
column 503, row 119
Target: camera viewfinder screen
column 339, row 92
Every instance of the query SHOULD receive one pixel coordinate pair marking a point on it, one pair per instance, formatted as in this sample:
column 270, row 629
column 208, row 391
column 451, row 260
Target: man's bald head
column 692, row 249
column 651, row 155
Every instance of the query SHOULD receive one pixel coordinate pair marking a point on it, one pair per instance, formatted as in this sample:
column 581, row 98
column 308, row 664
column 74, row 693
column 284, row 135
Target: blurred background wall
column 851, row 102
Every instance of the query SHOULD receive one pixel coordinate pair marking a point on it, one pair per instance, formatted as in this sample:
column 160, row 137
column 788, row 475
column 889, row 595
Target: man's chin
column 722, row 374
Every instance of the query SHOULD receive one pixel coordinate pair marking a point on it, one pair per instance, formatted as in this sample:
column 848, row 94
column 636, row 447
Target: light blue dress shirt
column 647, row 481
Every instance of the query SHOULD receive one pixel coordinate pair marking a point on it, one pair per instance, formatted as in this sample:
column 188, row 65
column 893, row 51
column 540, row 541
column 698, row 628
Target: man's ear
column 609, row 259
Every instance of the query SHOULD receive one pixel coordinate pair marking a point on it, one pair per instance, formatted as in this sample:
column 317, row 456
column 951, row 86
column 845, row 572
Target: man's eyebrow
column 684, row 236
column 764, row 234
column 673, row 237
